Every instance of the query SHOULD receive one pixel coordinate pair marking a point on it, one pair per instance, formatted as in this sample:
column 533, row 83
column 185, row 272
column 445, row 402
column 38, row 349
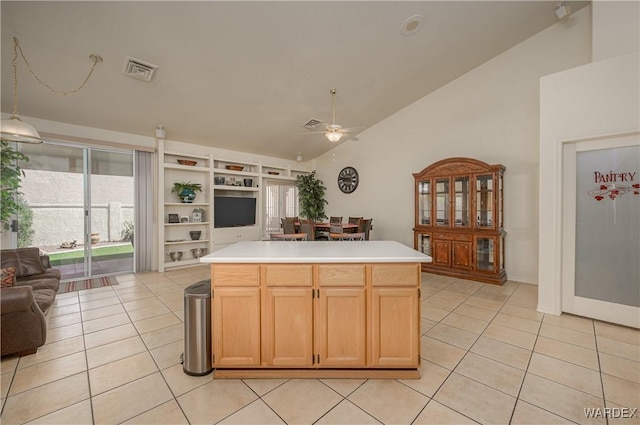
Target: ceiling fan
column 333, row 131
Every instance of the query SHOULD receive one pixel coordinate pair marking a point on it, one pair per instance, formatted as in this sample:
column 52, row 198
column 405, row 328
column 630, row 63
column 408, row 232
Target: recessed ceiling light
column 412, row 25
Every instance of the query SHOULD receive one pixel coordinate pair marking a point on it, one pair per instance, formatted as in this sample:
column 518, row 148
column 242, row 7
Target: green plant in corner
column 186, row 190
column 311, row 192
column 10, row 178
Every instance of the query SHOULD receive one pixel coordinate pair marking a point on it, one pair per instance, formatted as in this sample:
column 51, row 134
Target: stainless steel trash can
column 196, row 359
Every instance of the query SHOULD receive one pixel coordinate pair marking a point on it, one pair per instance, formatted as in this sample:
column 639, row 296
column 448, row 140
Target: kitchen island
column 316, row 309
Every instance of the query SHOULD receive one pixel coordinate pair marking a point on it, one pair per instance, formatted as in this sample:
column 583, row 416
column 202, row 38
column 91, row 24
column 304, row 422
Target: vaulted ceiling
column 247, row 75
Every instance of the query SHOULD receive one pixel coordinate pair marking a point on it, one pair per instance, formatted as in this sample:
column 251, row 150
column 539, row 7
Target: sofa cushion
column 7, row 277
column 43, row 283
column 25, row 260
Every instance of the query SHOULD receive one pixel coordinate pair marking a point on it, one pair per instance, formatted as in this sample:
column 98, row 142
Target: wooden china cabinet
column 459, row 219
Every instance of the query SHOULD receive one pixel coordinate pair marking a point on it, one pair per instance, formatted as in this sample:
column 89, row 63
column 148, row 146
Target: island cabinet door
column 341, row 327
column 341, row 316
column 288, row 327
column 287, row 317
column 395, row 315
column 236, row 326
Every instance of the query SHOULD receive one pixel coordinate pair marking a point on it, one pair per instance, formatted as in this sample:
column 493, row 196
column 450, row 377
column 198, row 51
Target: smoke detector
column 139, row 69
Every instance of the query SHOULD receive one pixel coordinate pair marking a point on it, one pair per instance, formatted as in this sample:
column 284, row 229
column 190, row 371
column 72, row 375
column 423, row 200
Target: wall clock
column 348, row 179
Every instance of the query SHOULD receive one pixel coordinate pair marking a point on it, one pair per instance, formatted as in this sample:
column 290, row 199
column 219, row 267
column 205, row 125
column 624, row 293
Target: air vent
column 312, row 124
column 139, row 69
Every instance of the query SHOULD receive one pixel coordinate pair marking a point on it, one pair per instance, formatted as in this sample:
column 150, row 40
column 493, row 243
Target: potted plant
column 311, row 192
column 127, row 231
column 186, row 191
column 10, row 178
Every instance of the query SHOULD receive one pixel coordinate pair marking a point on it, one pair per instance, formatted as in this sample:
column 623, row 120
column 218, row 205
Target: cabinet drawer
column 341, row 275
column 453, row 236
column 288, row 275
column 395, row 274
column 234, row 274
column 235, row 234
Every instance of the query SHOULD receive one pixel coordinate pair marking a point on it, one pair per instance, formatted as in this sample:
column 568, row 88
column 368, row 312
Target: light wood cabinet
column 316, row 316
column 459, row 219
column 235, row 316
column 236, row 326
column 341, row 319
column 287, row 319
column 395, row 312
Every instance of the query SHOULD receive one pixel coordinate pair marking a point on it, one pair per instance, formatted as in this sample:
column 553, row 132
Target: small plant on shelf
column 186, row 191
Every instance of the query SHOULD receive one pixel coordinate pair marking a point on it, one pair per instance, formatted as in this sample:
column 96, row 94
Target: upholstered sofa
column 29, row 288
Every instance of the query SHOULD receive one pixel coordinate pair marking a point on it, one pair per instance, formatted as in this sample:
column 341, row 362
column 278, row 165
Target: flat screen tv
column 230, row 211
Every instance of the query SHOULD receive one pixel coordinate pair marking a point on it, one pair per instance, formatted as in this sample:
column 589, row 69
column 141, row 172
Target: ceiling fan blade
column 347, row 130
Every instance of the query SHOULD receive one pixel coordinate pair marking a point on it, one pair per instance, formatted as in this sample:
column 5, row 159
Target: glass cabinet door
column 462, row 192
column 485, row 254
column 484, row 201
column 443, row 205
column 501, row 203
column 424, row 202
column 424, row 243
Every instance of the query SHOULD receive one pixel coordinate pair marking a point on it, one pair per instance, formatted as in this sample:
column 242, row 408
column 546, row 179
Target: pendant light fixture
column 16, row 130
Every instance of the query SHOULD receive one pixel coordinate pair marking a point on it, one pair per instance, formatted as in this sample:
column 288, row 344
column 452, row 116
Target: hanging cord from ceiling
column 16, row 48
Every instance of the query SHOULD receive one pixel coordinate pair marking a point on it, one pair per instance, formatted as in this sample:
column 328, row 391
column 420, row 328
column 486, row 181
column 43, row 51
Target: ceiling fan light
column 16, row 130
column 334, row 136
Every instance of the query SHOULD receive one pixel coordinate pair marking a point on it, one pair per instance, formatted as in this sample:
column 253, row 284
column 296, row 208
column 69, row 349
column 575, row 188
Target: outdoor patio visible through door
column 79, row 208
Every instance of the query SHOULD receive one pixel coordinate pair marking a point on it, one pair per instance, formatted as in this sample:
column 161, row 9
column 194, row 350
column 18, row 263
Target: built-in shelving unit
column 219, row 176
column 237, row 179
column 176, row 237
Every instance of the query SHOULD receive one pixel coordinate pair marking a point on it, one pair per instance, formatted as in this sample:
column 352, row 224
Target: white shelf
column 186, row 204
column 235, row 173
column 186, row 155
column 186, row 241
column 233, row 188
column 278, row 177
column 187, row 167
column 191, row 223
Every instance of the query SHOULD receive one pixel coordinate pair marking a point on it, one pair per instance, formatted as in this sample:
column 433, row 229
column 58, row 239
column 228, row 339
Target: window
column 280, row 200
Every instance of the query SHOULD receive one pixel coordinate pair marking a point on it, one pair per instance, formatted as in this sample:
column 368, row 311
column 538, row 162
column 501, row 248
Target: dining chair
column 288, row 225
column 288, row 236
column 336, row 228
column 346, row 236
column 364, row 226
column 335, row 220
column 354, row 220
column 306, row 226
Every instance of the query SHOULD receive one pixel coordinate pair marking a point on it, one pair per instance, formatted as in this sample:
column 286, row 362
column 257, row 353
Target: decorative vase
column 95, row 238
column 195, row 234
column 187, row 195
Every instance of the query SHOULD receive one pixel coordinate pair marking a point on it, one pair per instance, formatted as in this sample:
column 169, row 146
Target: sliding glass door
column 80, row 208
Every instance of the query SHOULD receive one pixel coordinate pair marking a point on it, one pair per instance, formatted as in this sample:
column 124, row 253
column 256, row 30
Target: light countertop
column 316, row 252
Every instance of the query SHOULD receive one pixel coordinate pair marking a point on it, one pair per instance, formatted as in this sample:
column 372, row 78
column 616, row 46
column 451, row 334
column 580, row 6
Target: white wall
column 595, row 100
column 491, row 114
column 616, row 28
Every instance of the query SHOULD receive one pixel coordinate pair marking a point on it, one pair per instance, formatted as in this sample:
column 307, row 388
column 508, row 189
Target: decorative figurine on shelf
column 186, row 191
column 198, row 215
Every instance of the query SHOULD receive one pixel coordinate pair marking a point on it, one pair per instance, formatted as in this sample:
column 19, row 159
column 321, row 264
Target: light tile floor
column 112, row 356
